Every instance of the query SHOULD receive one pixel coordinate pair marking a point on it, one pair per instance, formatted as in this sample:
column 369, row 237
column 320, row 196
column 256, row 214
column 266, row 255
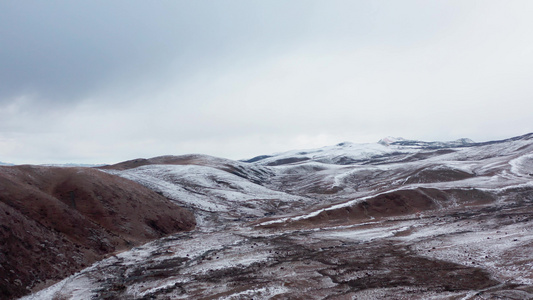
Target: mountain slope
column 54, row 221
column 218, row 190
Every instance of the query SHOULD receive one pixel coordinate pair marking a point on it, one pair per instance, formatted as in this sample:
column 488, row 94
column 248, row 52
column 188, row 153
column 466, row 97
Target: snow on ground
column 263, row 293
column 232, row 259
column 360, row 234
column 338, row 153
column 76, row 286
column 523, row 166
column 205, row 188
column 506, row 252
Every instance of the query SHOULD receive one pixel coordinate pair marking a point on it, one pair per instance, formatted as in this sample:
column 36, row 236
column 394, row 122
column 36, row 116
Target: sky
column 106, row 81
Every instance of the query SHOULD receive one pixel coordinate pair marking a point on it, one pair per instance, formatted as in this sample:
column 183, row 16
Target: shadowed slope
column 55, row 221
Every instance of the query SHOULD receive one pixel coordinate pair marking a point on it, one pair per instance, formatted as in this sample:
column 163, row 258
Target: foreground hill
column 399, row 219
column 55, row 221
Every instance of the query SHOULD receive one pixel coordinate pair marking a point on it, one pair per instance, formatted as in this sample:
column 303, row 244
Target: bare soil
column 55, row 221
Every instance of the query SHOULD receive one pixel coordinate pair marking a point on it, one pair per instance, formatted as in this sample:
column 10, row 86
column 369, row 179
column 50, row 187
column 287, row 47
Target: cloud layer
column 99, row 82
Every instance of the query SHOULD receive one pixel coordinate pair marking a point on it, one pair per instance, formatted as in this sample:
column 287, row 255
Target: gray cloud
column 65, row 50
column 99, row 81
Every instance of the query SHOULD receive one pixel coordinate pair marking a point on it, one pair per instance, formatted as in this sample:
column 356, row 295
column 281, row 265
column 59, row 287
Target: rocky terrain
column 55, row 221
column 398, row 219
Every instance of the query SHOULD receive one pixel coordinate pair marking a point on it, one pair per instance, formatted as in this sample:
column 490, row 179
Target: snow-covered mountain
column 341, row 154
column 421, row 144
column 347, row 153
column 395, row 219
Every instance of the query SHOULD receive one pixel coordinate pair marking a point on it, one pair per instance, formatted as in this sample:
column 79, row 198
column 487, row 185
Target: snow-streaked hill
column 347, row 153
column 341, row 154
column 395, row 219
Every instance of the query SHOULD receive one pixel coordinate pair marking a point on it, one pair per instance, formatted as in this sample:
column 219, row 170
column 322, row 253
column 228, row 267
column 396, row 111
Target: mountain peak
column 464, row 141
column 386, row 141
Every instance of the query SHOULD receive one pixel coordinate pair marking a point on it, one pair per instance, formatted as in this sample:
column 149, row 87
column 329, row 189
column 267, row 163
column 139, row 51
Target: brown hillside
column 190, row 159
column 396, row 203
column 55, row 221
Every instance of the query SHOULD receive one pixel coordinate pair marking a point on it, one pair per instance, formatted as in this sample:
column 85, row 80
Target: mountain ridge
column 341, row 221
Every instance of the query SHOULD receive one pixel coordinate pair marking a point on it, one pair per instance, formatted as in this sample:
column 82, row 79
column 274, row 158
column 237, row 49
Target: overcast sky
column 106, row 81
